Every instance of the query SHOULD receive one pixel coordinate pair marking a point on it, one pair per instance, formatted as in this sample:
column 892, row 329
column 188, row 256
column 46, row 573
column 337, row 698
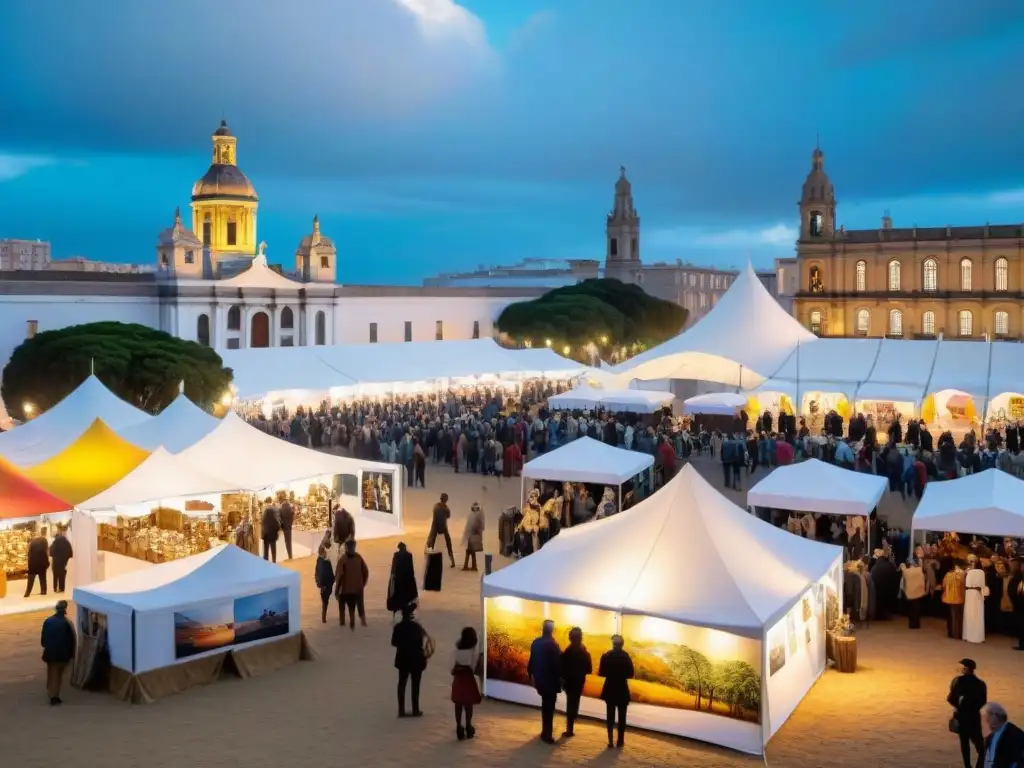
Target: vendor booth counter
column 181, row 624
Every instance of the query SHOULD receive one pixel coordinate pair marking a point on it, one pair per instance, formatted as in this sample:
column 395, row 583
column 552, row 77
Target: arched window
column 863, row 322
column 1002, row 274
column 287, row 318
column 816, row 322
column 965, row 274
column 320, row 332
column 894, row 275
column 928, row 323
column 862, row 275
column 895, row 323
column 203, row 330
column 1002, row 324
column 931, row 275
column 235, row 319
column 966, row 323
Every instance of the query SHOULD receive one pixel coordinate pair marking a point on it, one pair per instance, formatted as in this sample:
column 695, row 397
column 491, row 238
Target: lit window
column 895, row 323
column 928, row 323
column 816, row 323
column 966, row 323
column 862, row 275
column 863, row 322
column 965, row 275
column 894, row 275
column 931, row 275
column 1002, row 324
column 1002, row 274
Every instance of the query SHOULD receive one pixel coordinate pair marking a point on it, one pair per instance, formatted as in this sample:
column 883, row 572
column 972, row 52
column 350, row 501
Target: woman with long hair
column 466, row 665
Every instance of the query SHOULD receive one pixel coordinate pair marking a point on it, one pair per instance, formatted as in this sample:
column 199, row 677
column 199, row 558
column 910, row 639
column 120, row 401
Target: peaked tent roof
column 715, row 403
column 52, row 431
column 816, row 486
column 20, row 497
column 93, row 462
column 223, row 572
column 746, row 328
column 176, row 427
column 685, row 554
column 989, row 503
column 586, row 460
column 162, row 475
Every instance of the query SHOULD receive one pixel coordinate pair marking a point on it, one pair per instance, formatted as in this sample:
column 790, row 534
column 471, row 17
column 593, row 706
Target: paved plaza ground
column 340, row 710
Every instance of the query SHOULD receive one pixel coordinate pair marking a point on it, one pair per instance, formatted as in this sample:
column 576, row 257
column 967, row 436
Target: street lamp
column 547, row 342
column 566, row 350
column 604, row 339
column 28, row 408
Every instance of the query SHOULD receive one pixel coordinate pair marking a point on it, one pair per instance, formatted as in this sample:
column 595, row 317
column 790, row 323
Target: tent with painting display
column 724, row 615
column 172, row 627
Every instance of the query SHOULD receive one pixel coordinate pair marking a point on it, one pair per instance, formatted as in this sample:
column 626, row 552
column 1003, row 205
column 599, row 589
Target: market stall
column 95, row 460
column 172, row 627
column 590, row 461
column 989, row 503
column 694, row 585
column 176, row 427
column 716, row 404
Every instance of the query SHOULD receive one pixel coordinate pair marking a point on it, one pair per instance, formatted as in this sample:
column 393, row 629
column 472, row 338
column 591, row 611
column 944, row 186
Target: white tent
column 740, row 342
column 689, row 558
column 176, row 427
column 715, row 404
column 543, row 361
column 51, row 432
column 989, row 503
column 150, row 612
column 282, row 372
column 587, row 397
column 816, row 486
column 586, row 460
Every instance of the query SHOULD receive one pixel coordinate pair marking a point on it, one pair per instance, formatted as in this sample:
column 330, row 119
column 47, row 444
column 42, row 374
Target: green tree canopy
column 577, row 315
column 139, row 364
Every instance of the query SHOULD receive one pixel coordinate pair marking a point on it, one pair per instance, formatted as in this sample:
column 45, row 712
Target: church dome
column 224, row 181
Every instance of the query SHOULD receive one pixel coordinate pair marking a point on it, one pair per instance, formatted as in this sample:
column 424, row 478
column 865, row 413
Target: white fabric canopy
column 989, row 503
column 258, row 372
column 685, row 554
column 586, row 460
column 587, row 397
column 176, row 427
column 816, row 486
column 543, row 361
column 162, row 475
column 715, row 403
column 51, row 432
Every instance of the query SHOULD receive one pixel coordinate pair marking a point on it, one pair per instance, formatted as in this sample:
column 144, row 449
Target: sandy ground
column 340, row 710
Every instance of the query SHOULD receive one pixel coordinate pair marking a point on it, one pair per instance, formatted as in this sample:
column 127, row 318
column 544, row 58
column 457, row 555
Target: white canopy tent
column 715, row 404
column 141, row 607
column 687, row 555
column 586, row 397
column 175, row 428
column 816, row 486
column 283, row 372
column 586, row 460
column 51, row 432
column 989, row 503
column 544, row 361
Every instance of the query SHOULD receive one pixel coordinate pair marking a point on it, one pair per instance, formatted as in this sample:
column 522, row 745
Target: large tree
column 604, row 311
column 141, row 365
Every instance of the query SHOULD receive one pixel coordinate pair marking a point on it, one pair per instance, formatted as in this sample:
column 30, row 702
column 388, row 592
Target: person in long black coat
column 576, row 665
column 886, row 578
column 60, row 553
column 409, row 639
column 38, row 564
column 616, row 668
column 402, row 590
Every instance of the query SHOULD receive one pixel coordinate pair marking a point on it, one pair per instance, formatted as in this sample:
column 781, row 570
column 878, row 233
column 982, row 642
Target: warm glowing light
column 566, row 349
column 227, row 399
column 508, row 603
column 604, row 339
column 575, row 613
column 723, row 645
column 28, row 408
column 663, row 631
column 547, row 342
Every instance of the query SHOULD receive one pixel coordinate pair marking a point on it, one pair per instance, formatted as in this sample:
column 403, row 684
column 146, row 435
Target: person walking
column 968, row 694
column 616, row 668
column 466, row 665
column 576, row 665
column 286, row 514
column 1004, row 745
column 402, row 584
column 413, row 647
column 38, row 556
column 473, row 536
column 59, row 642
column 60, row 553
column 439, row 527
column 270, row 527
column 349, row 585
column 324, row 575
column 545, row 670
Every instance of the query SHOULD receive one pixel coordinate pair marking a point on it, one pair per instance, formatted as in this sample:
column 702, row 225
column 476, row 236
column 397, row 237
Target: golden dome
column 224, row 181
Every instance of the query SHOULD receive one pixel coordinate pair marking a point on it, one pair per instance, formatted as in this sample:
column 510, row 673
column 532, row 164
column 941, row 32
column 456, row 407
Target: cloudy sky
column 431, row 135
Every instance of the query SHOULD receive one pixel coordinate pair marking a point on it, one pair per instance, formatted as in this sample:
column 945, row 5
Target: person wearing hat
column 59, row 642
column 967, row 695
column 439, row 527
column 473, row 536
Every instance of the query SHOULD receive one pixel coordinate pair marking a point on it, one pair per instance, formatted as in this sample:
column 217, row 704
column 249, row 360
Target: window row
column 259, row 330
column 438, row 331
column 930, row 275
column 965, row 323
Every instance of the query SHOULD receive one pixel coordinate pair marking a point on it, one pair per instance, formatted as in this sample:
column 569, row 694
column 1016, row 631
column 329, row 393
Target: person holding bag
column 413, row 648
column 466, row 665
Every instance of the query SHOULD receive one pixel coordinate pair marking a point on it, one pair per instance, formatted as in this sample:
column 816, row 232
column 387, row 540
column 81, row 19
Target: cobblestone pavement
column 340, row 710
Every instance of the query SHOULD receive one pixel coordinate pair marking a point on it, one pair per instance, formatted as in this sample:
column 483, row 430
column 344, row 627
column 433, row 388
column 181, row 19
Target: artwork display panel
column 231, row 622
column 377, row 492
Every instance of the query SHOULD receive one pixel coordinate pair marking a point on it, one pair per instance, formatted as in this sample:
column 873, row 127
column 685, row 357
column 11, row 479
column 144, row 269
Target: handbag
column 428, row 645
column 954, row 725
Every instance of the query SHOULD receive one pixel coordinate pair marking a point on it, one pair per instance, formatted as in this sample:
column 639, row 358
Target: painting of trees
column 734, row 683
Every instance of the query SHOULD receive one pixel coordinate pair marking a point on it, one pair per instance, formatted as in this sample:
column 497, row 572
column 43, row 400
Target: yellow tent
column 92, row 463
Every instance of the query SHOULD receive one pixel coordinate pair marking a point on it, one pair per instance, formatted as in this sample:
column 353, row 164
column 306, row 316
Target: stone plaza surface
column 340, row 710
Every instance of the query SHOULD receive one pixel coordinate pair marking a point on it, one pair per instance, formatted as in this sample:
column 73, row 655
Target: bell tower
column 818, row 202
column 622, row 233
column 224, row 201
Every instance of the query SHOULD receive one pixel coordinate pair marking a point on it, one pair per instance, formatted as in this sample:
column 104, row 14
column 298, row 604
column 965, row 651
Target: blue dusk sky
column 252, row 607
column 431, row 135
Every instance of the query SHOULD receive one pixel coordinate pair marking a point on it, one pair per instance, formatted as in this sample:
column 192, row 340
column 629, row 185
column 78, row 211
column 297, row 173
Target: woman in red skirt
column 466, row 665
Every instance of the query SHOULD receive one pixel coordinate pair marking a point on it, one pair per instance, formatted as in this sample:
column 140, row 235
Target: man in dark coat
column 967, row 695
column 439, row 527
column 60, row 553
column 38, row 564
column 1004, row 745
column 886, row 579
column 576, row 665
column 270, row 528
column 545, row 670
column 58, row 641
column 616, row 668
column 402, row 589
column 1015, row 586
column 286, row 514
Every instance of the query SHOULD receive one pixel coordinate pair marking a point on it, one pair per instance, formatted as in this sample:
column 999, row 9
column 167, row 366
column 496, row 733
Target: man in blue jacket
column 58, row 641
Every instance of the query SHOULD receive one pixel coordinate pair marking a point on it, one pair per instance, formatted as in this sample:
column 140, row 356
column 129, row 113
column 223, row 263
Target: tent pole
column 619, row 508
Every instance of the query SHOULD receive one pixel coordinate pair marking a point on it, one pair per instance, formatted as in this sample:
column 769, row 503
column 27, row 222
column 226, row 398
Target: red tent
column 20, row 497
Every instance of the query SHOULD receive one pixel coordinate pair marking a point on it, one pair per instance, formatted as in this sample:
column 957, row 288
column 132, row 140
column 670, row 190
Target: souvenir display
column 14, row 549
column 312, row 511
column 376, row 491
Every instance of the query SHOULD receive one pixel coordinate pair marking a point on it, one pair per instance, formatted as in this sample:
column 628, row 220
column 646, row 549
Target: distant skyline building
column 36, row 256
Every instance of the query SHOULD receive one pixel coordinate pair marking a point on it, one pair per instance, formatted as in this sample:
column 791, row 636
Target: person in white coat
column 974, row 607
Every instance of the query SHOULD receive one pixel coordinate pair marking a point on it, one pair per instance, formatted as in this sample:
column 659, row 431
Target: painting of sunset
column 199, row 630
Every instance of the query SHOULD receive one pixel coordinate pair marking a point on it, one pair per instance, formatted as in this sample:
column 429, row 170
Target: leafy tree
column 694, row 669
column 739, row 685
column 619, row 313
column 139, row 364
